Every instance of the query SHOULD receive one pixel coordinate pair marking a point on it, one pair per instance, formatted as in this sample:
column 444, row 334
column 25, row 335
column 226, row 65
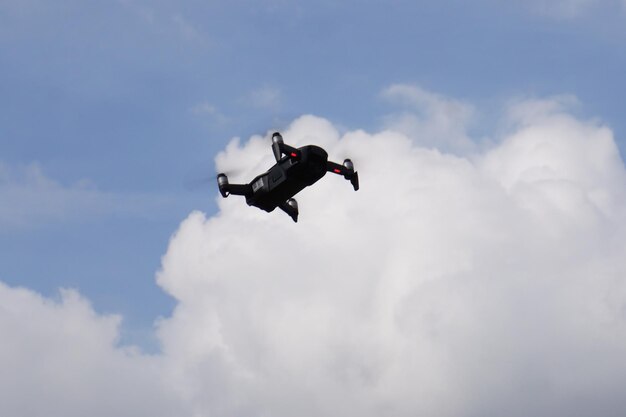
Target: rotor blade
column 197, row 183
column 208, row 180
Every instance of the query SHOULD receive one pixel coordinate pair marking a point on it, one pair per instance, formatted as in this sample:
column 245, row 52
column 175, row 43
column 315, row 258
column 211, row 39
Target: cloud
column 31, row 199
column 490, row 284
column 171, row 22
column 484, row 283
column 430, row 119
column 529, row 111
column 207, row 109
column 266, row 97
column 571, row 9
column 16, row 8
column 187, row 30
column 60, row 358
column 566, row 9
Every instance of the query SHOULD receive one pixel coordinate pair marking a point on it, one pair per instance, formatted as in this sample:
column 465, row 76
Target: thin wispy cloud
column 429, row 118
column 206, row 109
column 32, row 199
column 186, row 28
column 572, row 9
column 567, row 9
column 266, row 98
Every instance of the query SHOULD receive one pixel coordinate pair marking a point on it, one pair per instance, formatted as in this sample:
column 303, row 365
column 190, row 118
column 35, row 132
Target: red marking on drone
column 337, row 171
column 293, row 154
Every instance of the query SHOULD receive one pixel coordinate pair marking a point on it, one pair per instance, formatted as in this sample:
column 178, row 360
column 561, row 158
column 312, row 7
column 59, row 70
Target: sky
column 478, row 271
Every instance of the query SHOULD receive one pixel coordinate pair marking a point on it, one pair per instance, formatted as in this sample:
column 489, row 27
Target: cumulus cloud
column 470, row 284
column 60, row 358
column 490, row 284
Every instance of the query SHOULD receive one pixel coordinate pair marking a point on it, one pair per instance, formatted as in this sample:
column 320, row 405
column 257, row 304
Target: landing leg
column 291, row 208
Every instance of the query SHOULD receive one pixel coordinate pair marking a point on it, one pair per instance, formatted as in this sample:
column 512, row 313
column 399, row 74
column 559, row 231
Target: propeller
column 199, row 182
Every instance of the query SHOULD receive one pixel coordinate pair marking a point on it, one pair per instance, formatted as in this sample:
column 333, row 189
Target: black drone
column 295, row 169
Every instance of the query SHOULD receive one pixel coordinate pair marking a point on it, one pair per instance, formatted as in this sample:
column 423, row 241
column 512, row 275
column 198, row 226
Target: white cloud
column 30, row 198
column 59, row 358
column 448, row 285
column 529, row 111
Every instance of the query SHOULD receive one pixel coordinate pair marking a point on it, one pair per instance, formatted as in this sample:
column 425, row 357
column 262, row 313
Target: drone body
column 295, row 169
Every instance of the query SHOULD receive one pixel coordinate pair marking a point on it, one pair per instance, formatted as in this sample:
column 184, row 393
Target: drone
column 295, row 169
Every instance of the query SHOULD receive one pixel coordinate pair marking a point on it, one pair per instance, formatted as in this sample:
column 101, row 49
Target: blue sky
column 111, row 113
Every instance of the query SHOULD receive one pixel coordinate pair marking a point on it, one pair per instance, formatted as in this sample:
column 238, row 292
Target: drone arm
column 280, row 148
column 346, row 170
column 235, row 189
column 335, row 168
column 239, row 189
